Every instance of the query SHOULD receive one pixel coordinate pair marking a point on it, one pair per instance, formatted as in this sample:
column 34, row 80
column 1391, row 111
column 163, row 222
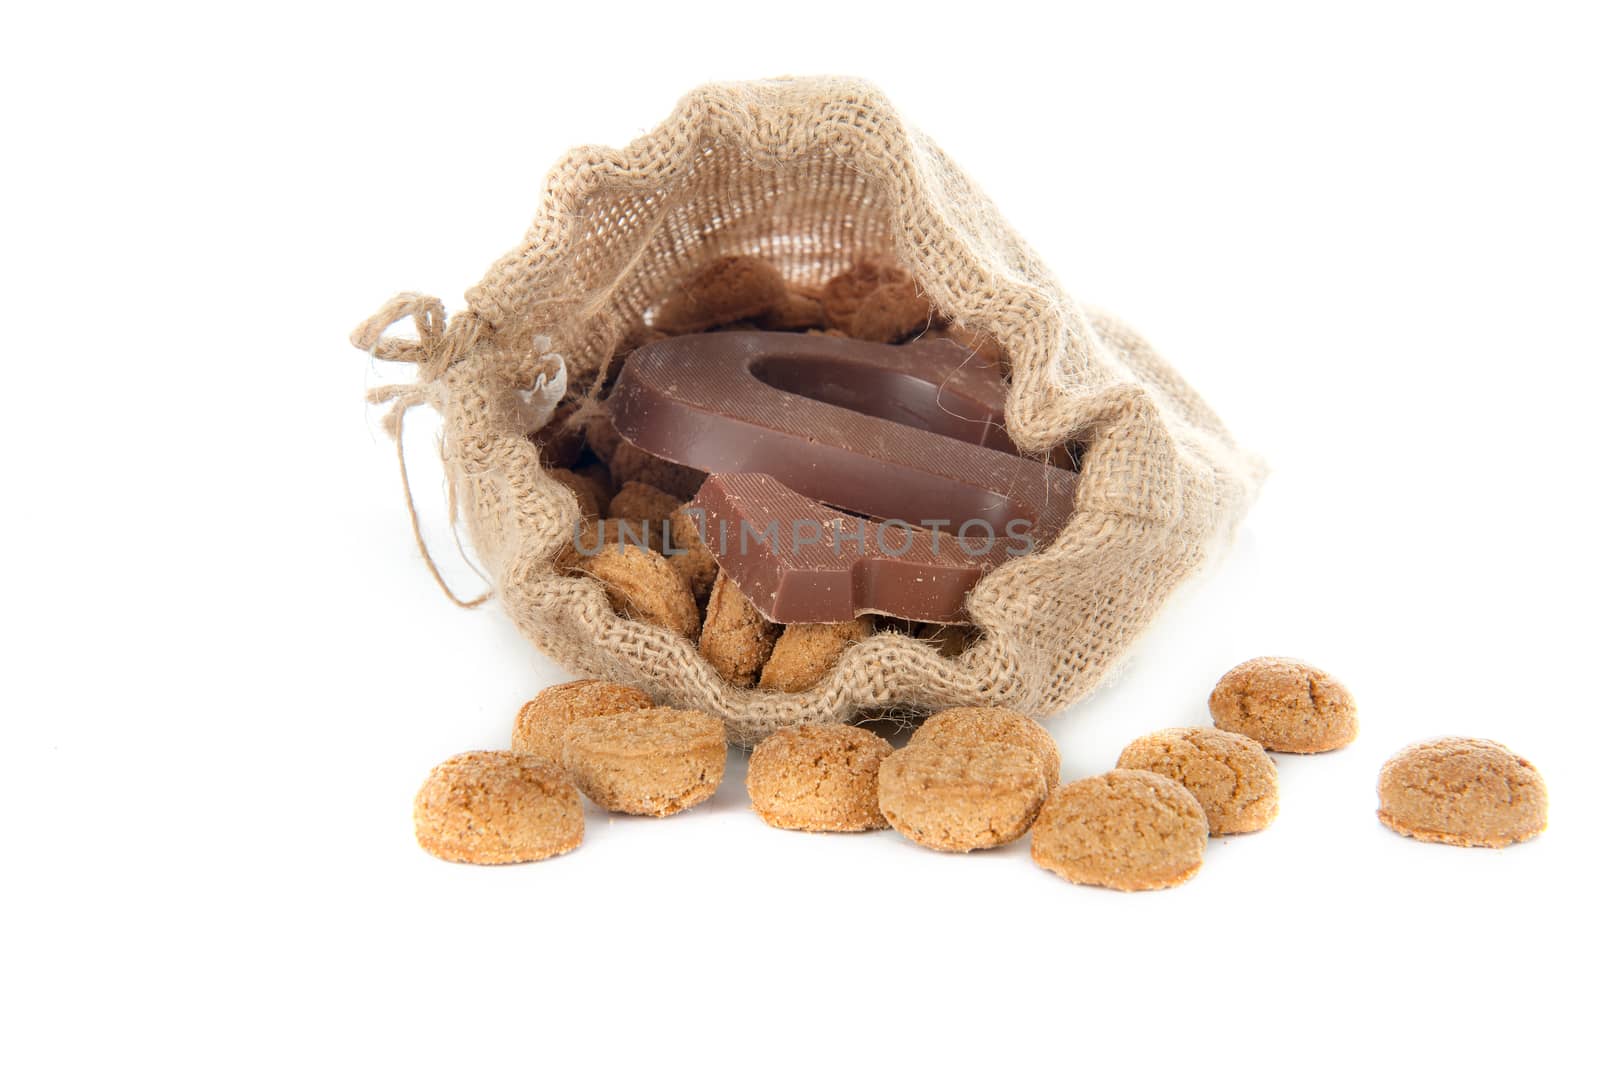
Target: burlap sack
column 811, row 174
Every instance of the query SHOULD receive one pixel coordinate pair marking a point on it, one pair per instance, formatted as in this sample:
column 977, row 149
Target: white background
column 1368, row 236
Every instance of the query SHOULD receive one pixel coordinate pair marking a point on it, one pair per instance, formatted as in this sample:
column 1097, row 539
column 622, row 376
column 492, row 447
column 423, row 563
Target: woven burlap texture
column 812, row 174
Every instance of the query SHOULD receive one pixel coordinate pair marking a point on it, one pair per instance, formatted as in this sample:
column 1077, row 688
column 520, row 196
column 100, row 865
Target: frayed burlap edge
column 1163, row 484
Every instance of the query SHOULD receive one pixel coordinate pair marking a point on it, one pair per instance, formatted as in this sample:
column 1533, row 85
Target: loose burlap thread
column 812, row 174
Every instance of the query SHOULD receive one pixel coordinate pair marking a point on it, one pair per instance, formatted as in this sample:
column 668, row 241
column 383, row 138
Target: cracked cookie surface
column 968, row 725
column 542, row 723
column 1461, row 791
column 643, row 585
column 1126, row 829
column 496, row 808
column 958, row 796
column 1285, row 705
column 818, row 778
column 1232, row 775
column 803, row 654
column 655, row 761
column 735, row 638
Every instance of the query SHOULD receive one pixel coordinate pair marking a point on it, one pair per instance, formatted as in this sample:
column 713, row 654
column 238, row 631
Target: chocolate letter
column 806, row 432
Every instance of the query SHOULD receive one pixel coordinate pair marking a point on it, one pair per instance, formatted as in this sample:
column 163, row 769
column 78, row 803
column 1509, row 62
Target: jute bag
column 812, row 174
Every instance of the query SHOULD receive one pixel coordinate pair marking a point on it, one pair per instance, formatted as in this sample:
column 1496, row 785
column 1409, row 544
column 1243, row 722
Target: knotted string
column 436, row 346
column 433, row 351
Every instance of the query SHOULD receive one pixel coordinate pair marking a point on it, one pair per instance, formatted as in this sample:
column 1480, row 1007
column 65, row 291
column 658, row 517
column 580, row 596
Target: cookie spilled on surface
column 1464, row 792
column 969, row 778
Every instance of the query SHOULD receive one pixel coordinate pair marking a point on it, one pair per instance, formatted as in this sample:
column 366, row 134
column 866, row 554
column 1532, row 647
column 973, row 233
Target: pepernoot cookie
column 958, row 797
column 497, row 807
column 656, row 761
column 594, row 535
column 991, row 724
column 1465, row 792
column 735, row 638
column 818, row 778
column 582, row 488
column 629, row 463
column 1232, row 776
column 542, row 722
column 875, row 300
column 1285, row 705
column 1127, row 829
column 687, row 552
column 589, row 537
column 637, row 501
column 642, row 585
column 730, row 289
column 797, row 312
column 803, row 654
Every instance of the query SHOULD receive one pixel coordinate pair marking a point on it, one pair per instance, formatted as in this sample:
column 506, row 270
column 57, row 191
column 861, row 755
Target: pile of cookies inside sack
column 969, row 778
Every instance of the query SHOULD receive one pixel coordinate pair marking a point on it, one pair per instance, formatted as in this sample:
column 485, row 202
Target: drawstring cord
column 434, row 350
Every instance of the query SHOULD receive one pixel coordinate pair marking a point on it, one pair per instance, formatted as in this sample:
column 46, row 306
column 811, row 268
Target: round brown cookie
column 1465, row 792
column 739, row 286
column 875, row 300
column 803, row 654
column 1285, row 705
column 654, row 761
column 1232, row 776
column 1126, row 829
column 688, row 553
column 592, row 536
column 637, row 501
column 599, row 479
column 497, row 807
column 582, row 488
column 629, row 463
column 967, row 725
column 542, row 722
column 958, row 797
column 797, row 312
column 735, row 638
column 641, row 585
column 818, row 778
